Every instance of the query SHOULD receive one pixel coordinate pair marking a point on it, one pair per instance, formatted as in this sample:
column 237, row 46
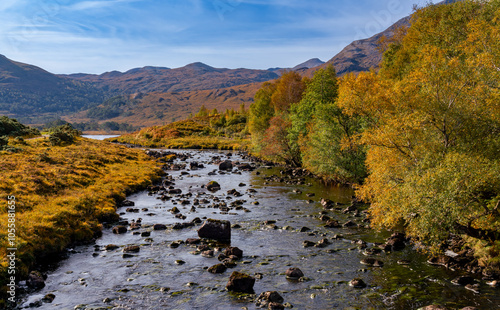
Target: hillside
column 159, row 108
column 27, row 90
column 195, row 76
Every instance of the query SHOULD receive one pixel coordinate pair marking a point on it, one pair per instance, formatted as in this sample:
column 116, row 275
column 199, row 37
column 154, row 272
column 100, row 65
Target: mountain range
column 155, row 94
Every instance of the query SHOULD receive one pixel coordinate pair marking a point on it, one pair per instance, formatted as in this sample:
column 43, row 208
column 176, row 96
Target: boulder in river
column 120, row 229
column 226, row 165
column 36, row 280
column 266, row 298
column 294, row 273
column 233, row 251
column 215, row 229
column 213, row 186
column 240, row 282
column 219, row 268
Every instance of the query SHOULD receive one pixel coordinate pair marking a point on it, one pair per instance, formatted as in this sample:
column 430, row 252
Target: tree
column 433, row 133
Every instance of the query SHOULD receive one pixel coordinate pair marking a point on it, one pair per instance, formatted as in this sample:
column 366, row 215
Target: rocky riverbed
column 278, row 239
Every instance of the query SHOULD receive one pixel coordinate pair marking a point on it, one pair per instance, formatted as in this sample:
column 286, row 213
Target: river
column 271, row 230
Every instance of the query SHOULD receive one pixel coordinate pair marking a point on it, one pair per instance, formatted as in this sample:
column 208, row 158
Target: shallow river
column 164, row 277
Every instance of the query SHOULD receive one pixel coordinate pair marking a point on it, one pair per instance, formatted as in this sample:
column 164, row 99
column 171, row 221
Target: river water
column 164, row 277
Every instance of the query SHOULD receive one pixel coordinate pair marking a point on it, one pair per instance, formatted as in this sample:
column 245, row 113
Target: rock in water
column 215, row 229
column 233, row 251
column 226, row 165
column 36, row 280
column 294, row 273
column 240, row 282
column 213, row 186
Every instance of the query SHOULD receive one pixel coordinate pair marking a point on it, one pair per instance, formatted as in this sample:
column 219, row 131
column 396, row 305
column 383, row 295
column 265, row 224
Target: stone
column 234, row 251
column 213, row 186
column 49, row 298
column 120, row 229
column 219, row 268
column 226, row 165
column 464, row 280
column 269, row 297
column 131, row 249
column 36, row 280
column 159, row 227
column 128, row 203
column 372, row 262
column 357, row 283
column 215, row 229
column 111, row 247
column 275, row 306
column 294, row 273
column 240, row 282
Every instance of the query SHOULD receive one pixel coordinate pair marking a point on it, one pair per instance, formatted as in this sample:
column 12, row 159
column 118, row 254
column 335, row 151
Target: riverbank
column 61, row 196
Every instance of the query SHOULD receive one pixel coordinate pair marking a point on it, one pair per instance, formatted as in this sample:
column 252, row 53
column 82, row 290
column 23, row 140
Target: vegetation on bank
column 63, row 191
column 421, row 136
column 205, row 130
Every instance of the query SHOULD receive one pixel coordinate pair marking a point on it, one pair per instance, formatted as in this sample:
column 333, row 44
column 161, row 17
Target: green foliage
column 12, row 128
column 62, row 135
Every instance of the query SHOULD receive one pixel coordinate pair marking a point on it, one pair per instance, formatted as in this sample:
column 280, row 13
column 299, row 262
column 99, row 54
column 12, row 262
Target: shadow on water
column 274, row 220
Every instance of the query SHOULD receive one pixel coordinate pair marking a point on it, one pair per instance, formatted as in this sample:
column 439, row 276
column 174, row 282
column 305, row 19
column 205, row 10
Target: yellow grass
column 63, row 193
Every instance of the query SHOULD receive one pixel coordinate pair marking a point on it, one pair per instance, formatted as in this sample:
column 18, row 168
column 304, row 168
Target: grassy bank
column 199, row 132
column 63, row 193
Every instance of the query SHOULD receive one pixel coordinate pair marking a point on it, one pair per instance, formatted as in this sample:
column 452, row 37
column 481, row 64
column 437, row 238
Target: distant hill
column 159, row 108
column 311, row 63
column 195, row 76
column 27, row 90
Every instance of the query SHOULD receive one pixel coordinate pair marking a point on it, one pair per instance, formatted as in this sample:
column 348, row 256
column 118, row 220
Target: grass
column 193, row 133
column 63, row 194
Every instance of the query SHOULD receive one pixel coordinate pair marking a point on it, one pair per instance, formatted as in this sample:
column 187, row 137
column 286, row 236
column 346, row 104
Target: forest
column 419, row 139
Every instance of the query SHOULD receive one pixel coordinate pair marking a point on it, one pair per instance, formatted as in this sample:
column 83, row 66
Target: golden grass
column 63, row 193
column 193, row 133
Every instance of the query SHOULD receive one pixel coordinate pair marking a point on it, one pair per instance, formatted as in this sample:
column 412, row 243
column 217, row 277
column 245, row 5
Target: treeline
column 421, row 137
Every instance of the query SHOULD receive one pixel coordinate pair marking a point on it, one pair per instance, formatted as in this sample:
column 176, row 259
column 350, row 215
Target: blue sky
column 95, row 36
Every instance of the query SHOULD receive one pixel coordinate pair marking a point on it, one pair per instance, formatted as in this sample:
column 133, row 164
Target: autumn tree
column 434, row 123
column 269, row 118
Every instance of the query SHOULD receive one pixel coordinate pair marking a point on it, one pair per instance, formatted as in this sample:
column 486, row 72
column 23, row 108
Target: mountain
column 311, row 63
column 361, row 55
column 27, row 90
column 195, row 76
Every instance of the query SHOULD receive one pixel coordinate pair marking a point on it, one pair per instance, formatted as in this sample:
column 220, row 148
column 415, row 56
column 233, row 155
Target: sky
column 96, row 36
